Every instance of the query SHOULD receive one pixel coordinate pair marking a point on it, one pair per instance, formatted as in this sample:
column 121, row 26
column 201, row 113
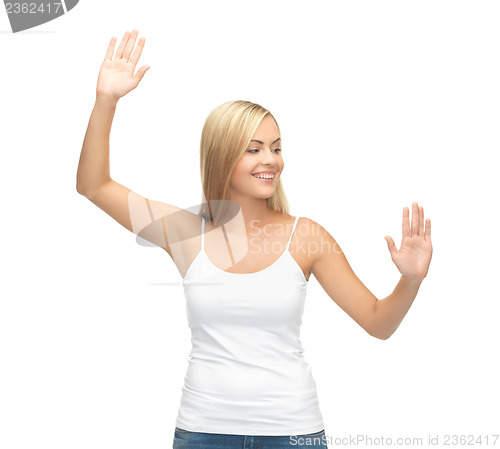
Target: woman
column 245, row 263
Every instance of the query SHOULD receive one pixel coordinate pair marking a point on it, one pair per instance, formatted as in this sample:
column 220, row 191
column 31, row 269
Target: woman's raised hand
column 414, row 256
column 116, row 77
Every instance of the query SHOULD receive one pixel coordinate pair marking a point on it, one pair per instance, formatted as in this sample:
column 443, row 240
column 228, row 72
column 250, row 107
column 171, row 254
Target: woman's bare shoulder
column 313, row 231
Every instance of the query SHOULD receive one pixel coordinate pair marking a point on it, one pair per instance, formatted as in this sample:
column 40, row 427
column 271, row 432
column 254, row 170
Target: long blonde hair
column 226, row 134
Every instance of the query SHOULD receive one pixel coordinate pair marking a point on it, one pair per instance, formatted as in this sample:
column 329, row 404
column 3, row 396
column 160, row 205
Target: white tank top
column 246, row 374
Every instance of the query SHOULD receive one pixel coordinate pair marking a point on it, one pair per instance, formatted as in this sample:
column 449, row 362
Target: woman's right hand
column 116, row 77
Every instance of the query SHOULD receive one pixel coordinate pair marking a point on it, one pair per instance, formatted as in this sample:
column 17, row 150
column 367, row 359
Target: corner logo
column 29, row 14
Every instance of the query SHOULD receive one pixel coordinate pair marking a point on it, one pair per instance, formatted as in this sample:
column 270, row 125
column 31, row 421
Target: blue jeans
column 184, row 439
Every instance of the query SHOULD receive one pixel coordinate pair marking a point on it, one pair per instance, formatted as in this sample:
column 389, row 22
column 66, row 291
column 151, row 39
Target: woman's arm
column 332, row 270
column 116, row 79
column 139, row 215
column 390, row 311
column 93, row 168
column 380, row 318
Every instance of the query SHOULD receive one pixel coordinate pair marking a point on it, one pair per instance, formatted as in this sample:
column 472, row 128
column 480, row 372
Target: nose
column 268, row 157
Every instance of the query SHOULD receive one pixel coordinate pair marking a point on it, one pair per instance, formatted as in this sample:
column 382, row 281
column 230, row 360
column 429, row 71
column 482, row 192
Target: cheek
column 240, row 171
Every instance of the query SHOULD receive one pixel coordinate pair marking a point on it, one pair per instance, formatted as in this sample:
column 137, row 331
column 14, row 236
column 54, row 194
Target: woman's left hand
column 415, row 253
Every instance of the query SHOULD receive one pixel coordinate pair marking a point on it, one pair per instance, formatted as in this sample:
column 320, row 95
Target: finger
column 111, row 48
column 428, row 230
column 414, row 219
column 421, row 221
column 138, row 51
column 406, row 222
column 140, row 73
column 130, row 45
column 390, row 244
column 124, row 41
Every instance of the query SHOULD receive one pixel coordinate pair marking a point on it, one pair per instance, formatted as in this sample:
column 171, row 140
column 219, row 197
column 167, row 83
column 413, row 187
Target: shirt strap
column 293, row 229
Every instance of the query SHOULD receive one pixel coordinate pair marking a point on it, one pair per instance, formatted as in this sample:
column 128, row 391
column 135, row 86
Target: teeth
column 264, row 176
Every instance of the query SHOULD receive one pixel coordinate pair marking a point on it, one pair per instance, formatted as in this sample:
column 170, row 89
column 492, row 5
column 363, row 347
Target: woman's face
column 263, row 154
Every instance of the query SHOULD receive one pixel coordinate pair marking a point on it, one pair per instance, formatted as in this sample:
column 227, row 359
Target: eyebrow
column 262, row 143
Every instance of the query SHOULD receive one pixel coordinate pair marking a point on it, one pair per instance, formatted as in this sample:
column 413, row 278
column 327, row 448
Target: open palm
column 116, row 77
column 415, row 253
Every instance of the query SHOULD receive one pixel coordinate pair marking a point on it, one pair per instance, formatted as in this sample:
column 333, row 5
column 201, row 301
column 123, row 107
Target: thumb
column 140, row 73
column 390, row 244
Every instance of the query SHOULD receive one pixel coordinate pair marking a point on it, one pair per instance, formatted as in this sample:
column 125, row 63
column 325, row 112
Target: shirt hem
column 254, row 431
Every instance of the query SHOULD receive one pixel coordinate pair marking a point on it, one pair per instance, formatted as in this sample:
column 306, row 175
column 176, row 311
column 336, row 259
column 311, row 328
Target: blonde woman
column 245, row 263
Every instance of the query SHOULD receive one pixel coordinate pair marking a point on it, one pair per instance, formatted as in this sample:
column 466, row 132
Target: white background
column 380, row 103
